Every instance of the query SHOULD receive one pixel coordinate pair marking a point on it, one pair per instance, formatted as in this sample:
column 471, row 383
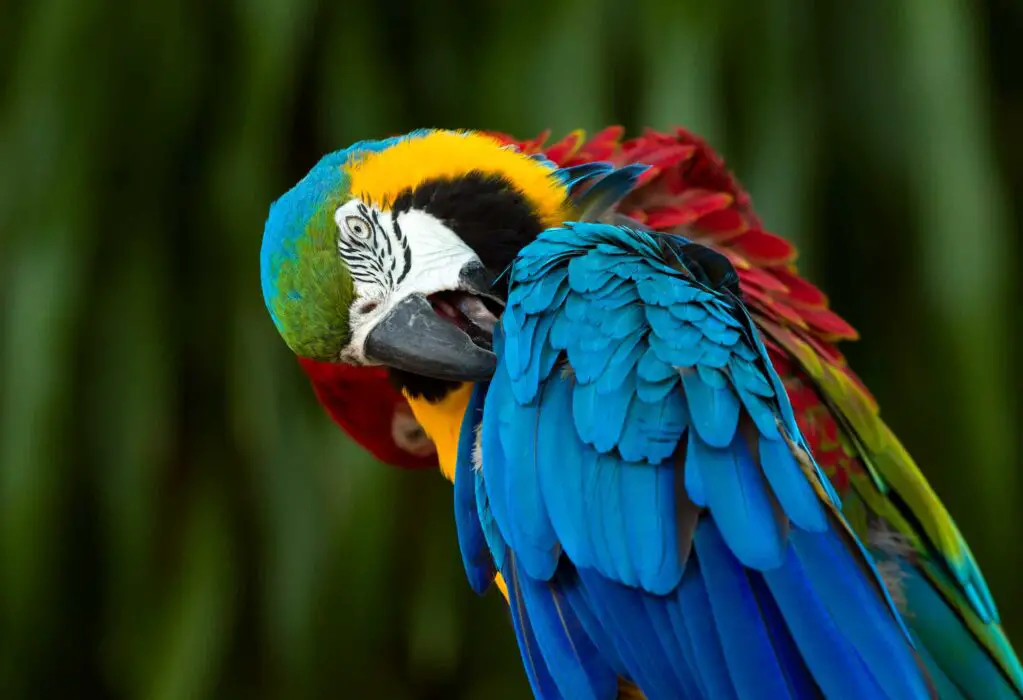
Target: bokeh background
column 178, row 519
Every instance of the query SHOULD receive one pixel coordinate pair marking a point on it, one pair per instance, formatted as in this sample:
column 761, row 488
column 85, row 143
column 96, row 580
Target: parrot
column 615, row 313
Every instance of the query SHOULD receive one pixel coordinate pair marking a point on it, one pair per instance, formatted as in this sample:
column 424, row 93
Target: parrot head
column 385, row 253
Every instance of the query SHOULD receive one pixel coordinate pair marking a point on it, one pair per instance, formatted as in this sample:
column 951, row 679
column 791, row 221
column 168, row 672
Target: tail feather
column 948, row 642
column 947, row 690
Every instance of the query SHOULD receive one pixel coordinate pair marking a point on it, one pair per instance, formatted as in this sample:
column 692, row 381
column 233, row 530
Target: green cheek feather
column 314, row 291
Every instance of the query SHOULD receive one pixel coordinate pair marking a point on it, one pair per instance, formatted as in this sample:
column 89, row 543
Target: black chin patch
column 420, row 387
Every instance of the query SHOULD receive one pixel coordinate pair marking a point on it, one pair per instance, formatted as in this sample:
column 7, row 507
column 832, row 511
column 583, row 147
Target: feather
column 544, row 293
column 529, row 531
column 579, row 175
column 624, row 613
column 653, row 429
column 539, row 675
column 654, row 392
column 589, row 352
column 675, row 351
column 690, row 612
column 665, row 291
column 789, row 484
column 491, row 533
column 608, row 191
column 562, row 331
column 948, row 642
column 832, row 659
column 600, row 422
column 476, row 558
column 717, row 331
column 687, row 311
column 737, row 497
column 575, row 664
column 621, row 364
column 606, row 521
column 864, row 620
column 687, row 513
column 627, row 322
column 662, row 623
column 946, row 689
column 542, row 358
column 648, row 496
column 714, row 411
column 588, row 273
column 654, row 378
column 564, row 488
column 797, row 675
column 588, row 477
column 574, row 596
column 752, row 660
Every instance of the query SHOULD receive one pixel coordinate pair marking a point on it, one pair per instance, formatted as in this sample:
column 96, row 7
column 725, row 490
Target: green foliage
column 179, row 519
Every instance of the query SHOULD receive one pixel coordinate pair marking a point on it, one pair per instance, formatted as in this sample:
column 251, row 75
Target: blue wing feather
column 663, row 373
column 558, row 441
column 476, row 557
column 533, row 660
column 734, row 490
column 754, row 666
column 624, row 614
column 693, row 620
column 714, row 411
column 578, row 669
column 606, row 191
column 529, row 533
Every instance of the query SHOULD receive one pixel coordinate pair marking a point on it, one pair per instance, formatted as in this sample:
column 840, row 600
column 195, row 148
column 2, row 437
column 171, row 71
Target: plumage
column 478, row 561
column 856, row 458
column 577, row 667
column 623, row 537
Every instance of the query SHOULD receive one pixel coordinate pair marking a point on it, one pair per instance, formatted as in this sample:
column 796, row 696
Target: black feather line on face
column 373, row 261
column 387, row 239
column 403, row 242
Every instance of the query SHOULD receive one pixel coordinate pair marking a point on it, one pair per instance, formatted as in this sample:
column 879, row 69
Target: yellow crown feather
column 379, row 177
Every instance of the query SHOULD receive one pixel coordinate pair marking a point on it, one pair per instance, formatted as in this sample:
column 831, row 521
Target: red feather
column 364, row 403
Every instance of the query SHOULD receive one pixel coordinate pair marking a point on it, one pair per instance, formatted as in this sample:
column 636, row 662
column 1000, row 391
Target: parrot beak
column 447, row 335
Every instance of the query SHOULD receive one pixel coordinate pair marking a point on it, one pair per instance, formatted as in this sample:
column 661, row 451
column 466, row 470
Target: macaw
column 623, row 353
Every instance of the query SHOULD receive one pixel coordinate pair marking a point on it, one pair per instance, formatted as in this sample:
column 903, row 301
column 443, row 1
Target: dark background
column 178, row 519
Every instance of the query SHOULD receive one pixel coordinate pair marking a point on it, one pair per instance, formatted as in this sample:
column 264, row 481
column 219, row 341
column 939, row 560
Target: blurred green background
column 178, row 518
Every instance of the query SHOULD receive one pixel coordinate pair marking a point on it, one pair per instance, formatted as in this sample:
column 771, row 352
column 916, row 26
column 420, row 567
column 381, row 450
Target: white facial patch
column 390, row 259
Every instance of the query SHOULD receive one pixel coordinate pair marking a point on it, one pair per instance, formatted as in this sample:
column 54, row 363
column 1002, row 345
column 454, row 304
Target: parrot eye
column 358, row 227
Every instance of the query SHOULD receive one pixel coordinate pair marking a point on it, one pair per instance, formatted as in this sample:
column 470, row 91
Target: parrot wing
column 638, row 478
column 687, row 190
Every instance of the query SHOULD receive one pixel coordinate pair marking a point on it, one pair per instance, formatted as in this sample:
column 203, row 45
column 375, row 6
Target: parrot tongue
column 469, row 313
